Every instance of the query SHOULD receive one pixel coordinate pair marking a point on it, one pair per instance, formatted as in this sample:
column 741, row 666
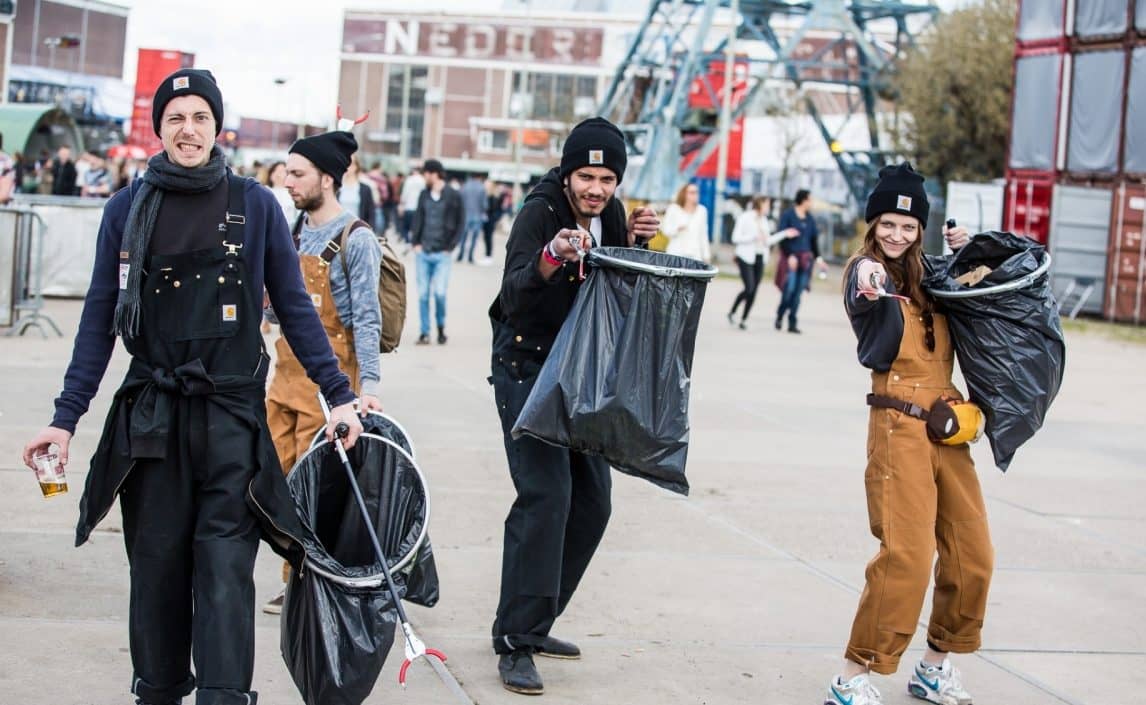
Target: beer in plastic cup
column 50, row 473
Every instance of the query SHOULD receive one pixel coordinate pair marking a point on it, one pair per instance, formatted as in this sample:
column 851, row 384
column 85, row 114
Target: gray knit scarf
column 162, row 175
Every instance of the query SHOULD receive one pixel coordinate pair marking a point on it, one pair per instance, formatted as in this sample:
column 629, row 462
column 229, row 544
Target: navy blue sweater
column 271, row 260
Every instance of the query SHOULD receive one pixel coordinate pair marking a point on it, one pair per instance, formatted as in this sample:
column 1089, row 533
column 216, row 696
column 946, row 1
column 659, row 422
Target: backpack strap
column 350, row 227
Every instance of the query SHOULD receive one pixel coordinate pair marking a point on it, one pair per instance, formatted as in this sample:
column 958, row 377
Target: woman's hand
column 957, row 236
column 870, row 278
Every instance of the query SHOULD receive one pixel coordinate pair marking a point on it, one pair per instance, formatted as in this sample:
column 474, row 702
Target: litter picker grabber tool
column 415, row 648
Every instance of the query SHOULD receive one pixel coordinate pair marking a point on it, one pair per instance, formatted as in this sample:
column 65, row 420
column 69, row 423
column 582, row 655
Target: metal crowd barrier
column 47, row 248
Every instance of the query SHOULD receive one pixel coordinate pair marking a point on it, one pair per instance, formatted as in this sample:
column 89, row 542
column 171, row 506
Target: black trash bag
column 616, row 381
column 1009, row 341
column 338, row 616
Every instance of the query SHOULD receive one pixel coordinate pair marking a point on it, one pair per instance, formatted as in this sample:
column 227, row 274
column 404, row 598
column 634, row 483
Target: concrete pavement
column 741, row 593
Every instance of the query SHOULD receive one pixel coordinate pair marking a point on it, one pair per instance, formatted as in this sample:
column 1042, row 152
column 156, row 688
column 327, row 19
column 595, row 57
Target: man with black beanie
column 563, row 502
column 182, row 259
column 339, row 257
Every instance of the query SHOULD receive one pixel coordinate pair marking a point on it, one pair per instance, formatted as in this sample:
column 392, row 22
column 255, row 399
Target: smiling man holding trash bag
column 563, row 497
column 181, row 262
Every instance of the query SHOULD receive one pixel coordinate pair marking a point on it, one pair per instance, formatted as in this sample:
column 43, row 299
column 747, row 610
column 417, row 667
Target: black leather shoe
column 555, row 648
column 423, row 340
column 779, row 322
column 795, row 330
column 442, row 336
column 518, row 674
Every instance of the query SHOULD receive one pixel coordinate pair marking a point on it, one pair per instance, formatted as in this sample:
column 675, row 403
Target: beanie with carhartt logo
column 900, row 190
column 594, row 142
column 183, row 82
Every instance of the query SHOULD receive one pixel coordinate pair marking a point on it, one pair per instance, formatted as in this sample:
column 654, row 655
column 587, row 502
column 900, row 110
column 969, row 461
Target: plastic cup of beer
column 50, row 473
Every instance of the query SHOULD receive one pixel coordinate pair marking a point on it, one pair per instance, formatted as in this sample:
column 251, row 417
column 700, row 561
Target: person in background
column 412, row 187
column 439, row 222
column 473, row 198
column 276, row 182
column 355, row 194
column 752, row 237
column 686, row 225
column 64, row 172
column 923, row 497
column 798, row 254
column 97, row 179
column 493, row 213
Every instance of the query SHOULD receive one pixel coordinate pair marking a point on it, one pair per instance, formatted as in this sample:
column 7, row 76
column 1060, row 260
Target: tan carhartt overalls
column 293, row 413
column 921, row 497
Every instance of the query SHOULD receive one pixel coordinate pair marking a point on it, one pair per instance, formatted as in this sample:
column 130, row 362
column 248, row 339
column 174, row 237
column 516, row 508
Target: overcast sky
column 248, row 44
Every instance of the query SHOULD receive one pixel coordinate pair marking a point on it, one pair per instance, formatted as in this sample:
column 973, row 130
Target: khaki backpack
column 391, row 282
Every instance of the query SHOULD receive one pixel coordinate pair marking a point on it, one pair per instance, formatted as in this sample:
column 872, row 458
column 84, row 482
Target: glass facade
column 411, row 103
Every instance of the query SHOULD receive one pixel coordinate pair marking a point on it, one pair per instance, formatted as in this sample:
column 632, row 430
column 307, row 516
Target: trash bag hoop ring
column 1019, row 283
column 320, row 434
column 378, row 579
column 598, row 259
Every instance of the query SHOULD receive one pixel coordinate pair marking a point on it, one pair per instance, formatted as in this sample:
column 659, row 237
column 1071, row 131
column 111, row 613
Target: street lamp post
column 518, row 147
column 64, row 41
column 280, row 82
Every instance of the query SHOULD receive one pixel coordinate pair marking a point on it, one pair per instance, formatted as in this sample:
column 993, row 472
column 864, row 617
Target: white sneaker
column 938, row 684
column 857, row 691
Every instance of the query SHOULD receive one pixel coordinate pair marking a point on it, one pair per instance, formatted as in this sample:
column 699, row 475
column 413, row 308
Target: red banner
column 154, row 65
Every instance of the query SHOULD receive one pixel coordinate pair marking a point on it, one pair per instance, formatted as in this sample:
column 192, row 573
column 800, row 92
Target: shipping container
column 1027, row 203
column 978, row 207
column 1078, row 243
column 1036, row 102
column 1094, row 134
column 1041, row 22
column 1126, row 278
column 1134, row 149
column 1100, row 20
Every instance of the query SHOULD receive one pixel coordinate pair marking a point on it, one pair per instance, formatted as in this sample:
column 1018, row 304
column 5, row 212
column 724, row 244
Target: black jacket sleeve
column 878, row 324
column 419, row 219
column 523, row 279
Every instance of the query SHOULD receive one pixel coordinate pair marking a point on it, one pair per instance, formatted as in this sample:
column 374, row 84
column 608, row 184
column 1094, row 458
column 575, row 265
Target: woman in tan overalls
column 923, row 497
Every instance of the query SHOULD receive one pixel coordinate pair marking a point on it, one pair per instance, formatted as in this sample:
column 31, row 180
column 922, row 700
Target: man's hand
column 344, row 414
column 571, row 244
column 870, row 278
column 417, row 248
column 643, row 225
column 47, row 437
column 957, row 236
column 368, row 403
column 791, row 233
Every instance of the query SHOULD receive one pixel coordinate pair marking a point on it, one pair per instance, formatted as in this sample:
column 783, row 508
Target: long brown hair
column 906, row 272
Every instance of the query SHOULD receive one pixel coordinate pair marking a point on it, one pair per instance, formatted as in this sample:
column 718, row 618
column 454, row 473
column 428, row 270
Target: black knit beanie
column 900, row 190
column 330, row 152
column 594, row 142
column 198, row 82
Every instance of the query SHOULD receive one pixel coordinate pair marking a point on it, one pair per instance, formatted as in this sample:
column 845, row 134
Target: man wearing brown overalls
column 923, row 497
column 339, row 257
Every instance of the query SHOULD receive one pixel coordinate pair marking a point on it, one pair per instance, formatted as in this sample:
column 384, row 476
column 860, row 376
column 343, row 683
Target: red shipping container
column 1027, row 203
column 152, row 67
column 701, row 98
column 1126, row 272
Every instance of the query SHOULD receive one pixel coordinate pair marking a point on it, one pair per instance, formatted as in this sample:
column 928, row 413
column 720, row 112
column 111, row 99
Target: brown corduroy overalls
column 922, row 497
column 293, row 413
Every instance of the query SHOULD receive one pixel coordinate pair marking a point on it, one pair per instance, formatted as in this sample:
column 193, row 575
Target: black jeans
column 553, row 528
column 750, row 274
